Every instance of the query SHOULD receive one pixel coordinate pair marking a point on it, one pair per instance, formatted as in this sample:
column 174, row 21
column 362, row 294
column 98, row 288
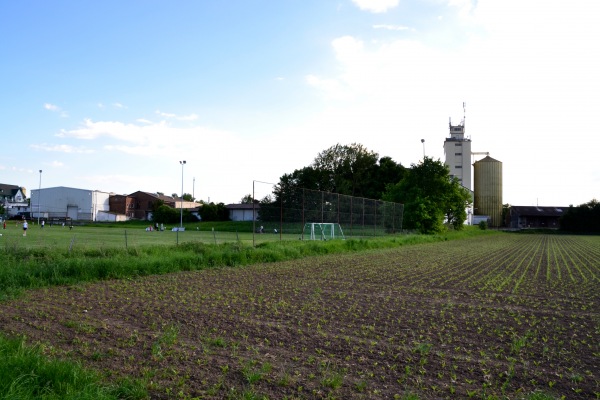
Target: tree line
column 584, row 218
column 433, row 200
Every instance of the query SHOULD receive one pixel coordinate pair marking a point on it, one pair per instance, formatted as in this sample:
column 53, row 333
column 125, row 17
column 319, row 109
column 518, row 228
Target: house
column 68, row 203
column 243, row 212
column 14, row 199
column 523, row 217
column 139, row 205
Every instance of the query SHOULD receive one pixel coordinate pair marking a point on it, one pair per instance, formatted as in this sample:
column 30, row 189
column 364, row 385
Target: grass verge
column 30, row 268
column 26, row 373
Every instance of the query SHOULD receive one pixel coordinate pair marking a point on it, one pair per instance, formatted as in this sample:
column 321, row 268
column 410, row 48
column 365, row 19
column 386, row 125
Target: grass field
column 489, row 316
column 126, row 236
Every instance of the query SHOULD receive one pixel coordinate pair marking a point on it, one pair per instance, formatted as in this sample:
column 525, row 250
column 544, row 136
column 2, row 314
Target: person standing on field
column 25, row 226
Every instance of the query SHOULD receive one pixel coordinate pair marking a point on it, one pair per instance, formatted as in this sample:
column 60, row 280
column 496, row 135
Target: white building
column 63, row 202
column 14, row 200
column 457, row 149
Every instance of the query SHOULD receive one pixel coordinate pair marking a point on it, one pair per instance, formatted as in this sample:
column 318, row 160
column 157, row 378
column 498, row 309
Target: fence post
column 351, row 215
column 375, row 221
column 303, row 217
column 363, row 215
column 338, row 208
column 322, row 203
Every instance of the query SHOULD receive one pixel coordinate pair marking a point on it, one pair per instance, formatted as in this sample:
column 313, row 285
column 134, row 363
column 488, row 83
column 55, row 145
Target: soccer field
column 130, row 236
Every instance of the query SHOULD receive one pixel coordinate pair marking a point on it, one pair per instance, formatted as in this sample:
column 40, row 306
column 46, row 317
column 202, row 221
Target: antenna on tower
column 464, row 113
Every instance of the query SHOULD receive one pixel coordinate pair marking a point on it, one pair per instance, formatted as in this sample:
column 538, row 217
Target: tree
column 342, row 169
column 164, row 214
column 188, row 197
column 214, row 212
column 582, row 219
column 505, row 213
column 430, row 196
column 248, row 199
column 345, row 169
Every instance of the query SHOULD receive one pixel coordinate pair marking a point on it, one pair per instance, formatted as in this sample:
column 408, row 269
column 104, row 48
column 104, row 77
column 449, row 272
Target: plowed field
column 501, row 315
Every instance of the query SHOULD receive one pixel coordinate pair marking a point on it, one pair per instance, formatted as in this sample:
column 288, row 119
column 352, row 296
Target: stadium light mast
column 423, row 141
column 181, row 200
column 39, row 197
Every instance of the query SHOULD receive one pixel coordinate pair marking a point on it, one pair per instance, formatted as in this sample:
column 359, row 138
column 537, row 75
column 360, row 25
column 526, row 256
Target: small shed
column 525, row 217
column 243, row 212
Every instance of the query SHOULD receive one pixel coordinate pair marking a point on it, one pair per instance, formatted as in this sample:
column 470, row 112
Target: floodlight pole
column 423, row 141
column 39, row 197
column 181, row 200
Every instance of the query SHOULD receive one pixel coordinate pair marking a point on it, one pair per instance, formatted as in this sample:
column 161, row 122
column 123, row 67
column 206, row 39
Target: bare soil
column 488, row 316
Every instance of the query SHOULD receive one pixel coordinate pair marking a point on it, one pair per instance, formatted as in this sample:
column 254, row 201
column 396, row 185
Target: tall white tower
column 457, row 149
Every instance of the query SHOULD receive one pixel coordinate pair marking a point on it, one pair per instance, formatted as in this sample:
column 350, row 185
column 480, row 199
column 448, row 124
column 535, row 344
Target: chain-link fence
column 291, row 210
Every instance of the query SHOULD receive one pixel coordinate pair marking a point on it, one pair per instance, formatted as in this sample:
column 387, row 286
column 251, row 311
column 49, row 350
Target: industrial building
column 488, row 189
column 487, row 175
column 64, row 203
column 524, row 217
column 457, row 149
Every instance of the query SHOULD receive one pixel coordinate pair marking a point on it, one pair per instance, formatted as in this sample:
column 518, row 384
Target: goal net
column 322, row 231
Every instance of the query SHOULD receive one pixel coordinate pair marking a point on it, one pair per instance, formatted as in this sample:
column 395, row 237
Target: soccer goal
column 322, row 231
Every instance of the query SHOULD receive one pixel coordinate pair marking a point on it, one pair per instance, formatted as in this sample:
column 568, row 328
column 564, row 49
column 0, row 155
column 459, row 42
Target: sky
column 112, row 95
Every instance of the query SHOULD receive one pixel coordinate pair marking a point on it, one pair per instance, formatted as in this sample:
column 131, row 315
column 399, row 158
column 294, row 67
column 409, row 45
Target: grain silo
column 488, row 189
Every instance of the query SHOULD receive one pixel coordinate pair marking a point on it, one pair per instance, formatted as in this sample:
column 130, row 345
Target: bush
column 483, row 225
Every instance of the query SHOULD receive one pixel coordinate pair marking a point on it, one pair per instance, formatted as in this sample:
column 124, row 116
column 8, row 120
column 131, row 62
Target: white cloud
column 146, row 138
column 51, row 107
column 392, row 27
column 376, row 6
column 61, row 148
column 190, row 117
column 331, row 88
column 145, row 157
column 56, row 109
column 166, row 115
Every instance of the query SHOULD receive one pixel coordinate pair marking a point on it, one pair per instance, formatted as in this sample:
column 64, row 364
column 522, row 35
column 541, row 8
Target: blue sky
column 111, row 95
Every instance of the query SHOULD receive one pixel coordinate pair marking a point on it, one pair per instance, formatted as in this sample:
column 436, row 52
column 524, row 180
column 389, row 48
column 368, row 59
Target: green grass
column 43, row 259
column 26, row 373
column 59, row 256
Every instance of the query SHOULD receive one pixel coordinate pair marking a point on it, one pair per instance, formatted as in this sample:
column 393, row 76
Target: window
column 458, row 154
column 458, row 144
column 458, row 166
